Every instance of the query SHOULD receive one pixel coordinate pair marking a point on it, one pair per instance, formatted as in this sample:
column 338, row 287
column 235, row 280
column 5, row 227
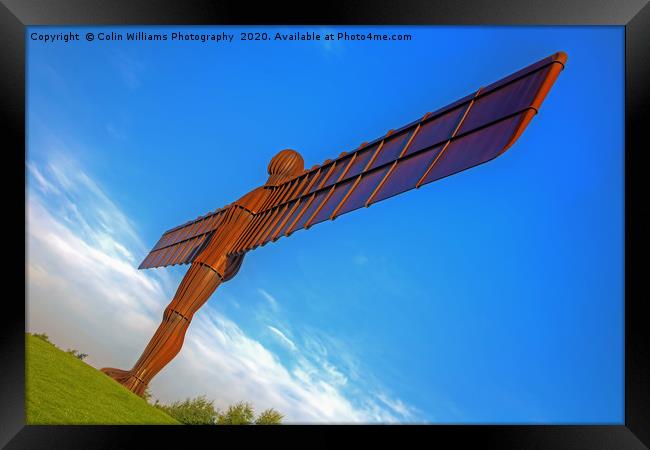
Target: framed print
column 426, row 215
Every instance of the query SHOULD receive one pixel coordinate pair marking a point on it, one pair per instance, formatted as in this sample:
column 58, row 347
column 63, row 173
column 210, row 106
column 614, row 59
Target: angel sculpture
column 464, row 134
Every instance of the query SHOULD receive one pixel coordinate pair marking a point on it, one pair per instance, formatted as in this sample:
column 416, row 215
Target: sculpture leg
column 197, row 286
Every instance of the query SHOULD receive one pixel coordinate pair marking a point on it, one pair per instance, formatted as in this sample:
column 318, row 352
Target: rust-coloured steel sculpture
column 469, row 132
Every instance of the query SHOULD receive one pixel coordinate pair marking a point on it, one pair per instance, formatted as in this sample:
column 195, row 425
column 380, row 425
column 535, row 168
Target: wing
column 469, row 132
column 182, row 243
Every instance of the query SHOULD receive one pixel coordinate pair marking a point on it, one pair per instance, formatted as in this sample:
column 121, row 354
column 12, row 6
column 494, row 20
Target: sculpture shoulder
column 254, row 200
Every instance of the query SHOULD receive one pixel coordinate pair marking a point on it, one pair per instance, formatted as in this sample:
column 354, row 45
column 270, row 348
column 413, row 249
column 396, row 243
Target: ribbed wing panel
column 181, row 244
column 469, row 132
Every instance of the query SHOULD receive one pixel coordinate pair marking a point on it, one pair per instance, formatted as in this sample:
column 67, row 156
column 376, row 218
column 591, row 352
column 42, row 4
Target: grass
column 62, row 389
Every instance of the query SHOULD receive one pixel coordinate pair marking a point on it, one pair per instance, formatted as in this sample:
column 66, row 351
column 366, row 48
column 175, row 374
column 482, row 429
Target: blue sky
column 492, row 296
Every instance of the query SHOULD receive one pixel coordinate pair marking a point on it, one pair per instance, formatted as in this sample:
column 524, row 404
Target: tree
column 238, row 414
column 200, row 411
column 242, row 413
column 196, row 411
column 269, row 417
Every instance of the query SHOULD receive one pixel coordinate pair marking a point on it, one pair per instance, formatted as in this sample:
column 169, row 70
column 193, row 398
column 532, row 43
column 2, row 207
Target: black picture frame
column 15, row 15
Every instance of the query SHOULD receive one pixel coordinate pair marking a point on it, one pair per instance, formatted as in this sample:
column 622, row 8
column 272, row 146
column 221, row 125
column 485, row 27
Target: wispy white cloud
column 396, row 405
column 84, row 290
column 285, row 340
column 222, row 361
column 82, row 254
column 43, row 184
column 269, row 298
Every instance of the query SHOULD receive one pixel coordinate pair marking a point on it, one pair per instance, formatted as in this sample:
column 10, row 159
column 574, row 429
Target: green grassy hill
column 61, row 389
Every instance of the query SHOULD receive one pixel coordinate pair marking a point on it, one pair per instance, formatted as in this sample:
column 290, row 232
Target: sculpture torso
column 284, row 166
column 237, row 217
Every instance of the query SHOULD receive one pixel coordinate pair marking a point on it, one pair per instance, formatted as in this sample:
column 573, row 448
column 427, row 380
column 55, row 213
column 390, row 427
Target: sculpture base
column 127, row 380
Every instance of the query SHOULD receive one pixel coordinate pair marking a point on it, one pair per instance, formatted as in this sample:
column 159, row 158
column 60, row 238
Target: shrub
column 76, row 353
column 196, row 411
column 146, row 395
column 200, row 411
column 238, row 414
column 42, row 336
column 269, row 417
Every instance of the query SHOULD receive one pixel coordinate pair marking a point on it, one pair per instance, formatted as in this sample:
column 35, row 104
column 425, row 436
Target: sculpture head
column 284, row 166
